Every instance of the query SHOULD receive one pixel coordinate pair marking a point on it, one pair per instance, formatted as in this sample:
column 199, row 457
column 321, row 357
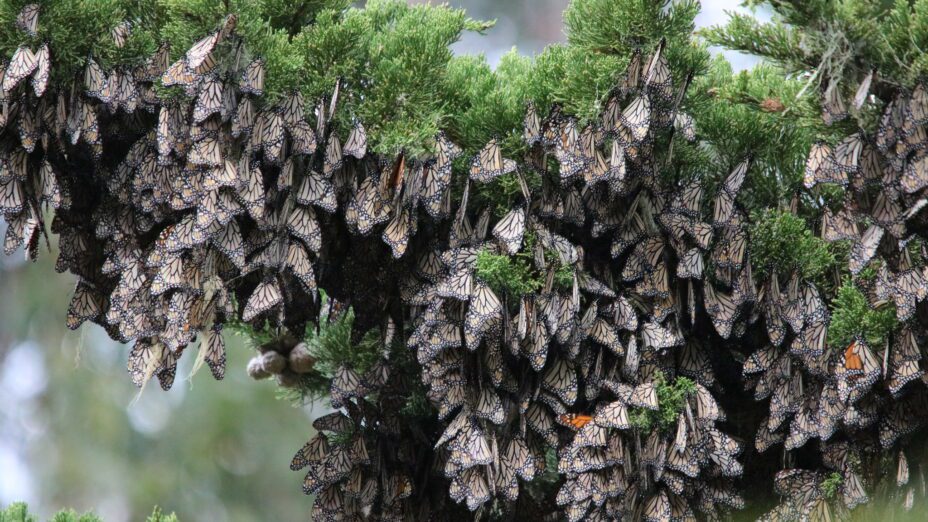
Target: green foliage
column 331, row 343
column 604, row 32
column 759, row 113
column 831, row 485
column 19, row 512
column 671, row 399
column 78, row 28
column 72, row 516
column 158, row 516
column 406, row 100
column 851, row 317
column 268, row 27
column 254, row 337
column 843, row 41
column 781, row 242
column 511, row 275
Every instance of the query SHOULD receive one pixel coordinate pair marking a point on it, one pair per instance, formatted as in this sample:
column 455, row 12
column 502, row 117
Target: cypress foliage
column 533, row 291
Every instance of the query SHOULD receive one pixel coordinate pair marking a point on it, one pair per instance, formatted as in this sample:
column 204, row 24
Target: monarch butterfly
column 179, row 73
column 86, row 304
column 644, row 395
column 561, row 379
column 125, row 94
column 229, row 242
column 489, row 406
column 199, row 56
column 244, row 119
column 345, row 385
column 121, row 32
column 11, row 197
column 356, row 145
column 252, row 79
column 636, row 118
column 22, row 229
column 531, row 125
column 397, row 233
column 722, row 309
column 169, row 276
column 569, row 151
column 445, row 151
column 21, row 65
column 292, row 110
column 209, row 100
column 865, row 248
column 833, row 109
column 613, row 415
column 333, row 156
column 484, row 310
column 144, row 361
column 631, row 80
column 659, row 337
column 863, row 90
column 657, row 75
column 535, row 345
column 48, row 185
column 206, row 152
column 510, row 229
column 272, row 136
column 42, row 69
column 915, row 176
column 573, row 208
column 846, row 157
column 725, row 199
column 609, row 118
column 489, row 163
column 156, row 64
column 657, row 507
column 852, row 490
column 887, row 212
column 301, row 223
column 265, row 296
column 298, row 263
column 313, row 452
column 434, row 195
column 838, row 227
column 316, row 190
column 684, row 124
column 28, row 19
column 28, row 132
column 691, row 265
column 607, row 335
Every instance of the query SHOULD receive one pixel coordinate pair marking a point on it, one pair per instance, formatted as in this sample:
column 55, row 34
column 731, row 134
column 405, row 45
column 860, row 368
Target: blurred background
column 75, row 432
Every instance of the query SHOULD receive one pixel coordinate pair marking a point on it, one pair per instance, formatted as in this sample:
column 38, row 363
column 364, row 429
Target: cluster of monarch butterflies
column 564, row 369
column 860, row 401
column 180, row 215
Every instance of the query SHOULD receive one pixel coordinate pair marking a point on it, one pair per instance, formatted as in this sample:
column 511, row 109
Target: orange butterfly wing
column 852, row 361
column 574, row 420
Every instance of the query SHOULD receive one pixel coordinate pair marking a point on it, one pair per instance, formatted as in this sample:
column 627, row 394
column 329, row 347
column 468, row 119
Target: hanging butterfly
column 252, row 80
column 489, row 163
column 356, row 145
column 833, row 108
column 531, row 125
column 28, row 19
column 725, row 199
column 121, row 32
column 863, row 90
column 510, row 230
column 21, row 65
